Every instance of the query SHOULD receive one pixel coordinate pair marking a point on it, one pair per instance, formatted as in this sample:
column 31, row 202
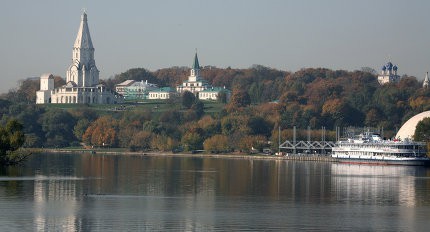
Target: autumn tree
column 58, row 81
column 340, row 113
column 140, row 140
column 373, row 117
column 239, row 98
column 132, row 129
column 217, row 143
column 248, row 142
column 209, row 125
column 102, row 132
column 163, row 143
column 26, row 91
column 193, row 139
column 233, row 124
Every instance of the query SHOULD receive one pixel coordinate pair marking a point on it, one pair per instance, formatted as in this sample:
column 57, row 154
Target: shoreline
column 199, row 155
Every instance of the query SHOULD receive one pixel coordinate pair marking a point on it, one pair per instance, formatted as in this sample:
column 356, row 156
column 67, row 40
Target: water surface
column 94, row 192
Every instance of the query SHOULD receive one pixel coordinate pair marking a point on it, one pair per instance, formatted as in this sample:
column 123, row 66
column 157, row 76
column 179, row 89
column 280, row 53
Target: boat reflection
column 374, row 184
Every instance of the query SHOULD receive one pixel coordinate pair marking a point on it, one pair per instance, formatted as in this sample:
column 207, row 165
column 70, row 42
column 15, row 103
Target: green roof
column 215, row 89
column 163, row 89
column 196, row 64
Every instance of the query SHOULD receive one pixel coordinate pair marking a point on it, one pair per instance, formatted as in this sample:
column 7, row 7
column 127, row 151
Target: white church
column 388, row 74
column 82, row 77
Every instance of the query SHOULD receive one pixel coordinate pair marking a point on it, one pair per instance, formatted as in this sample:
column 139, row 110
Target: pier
column 307, row 148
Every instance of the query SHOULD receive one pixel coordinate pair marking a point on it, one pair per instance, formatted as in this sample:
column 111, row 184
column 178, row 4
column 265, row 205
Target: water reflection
column 55, row 203
column 74, row 192
column 373, row 184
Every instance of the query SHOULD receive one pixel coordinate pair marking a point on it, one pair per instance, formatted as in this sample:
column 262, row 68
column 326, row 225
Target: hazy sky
column 37, row 36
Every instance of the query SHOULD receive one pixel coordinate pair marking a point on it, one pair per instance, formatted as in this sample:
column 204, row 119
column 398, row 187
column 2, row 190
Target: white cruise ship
column 370, row 148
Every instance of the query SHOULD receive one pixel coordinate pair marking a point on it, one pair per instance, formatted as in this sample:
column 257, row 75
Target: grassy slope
column 156, row 106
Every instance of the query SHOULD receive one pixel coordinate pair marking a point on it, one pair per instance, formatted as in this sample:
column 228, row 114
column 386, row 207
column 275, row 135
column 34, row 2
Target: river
column 95, row 192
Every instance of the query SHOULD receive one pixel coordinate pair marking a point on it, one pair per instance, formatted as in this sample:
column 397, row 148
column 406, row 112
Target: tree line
column 263, row 100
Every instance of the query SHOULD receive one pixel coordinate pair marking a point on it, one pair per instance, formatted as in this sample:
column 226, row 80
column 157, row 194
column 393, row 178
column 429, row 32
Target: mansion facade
column 133, row 90
column 195, row 82
column 199, row 86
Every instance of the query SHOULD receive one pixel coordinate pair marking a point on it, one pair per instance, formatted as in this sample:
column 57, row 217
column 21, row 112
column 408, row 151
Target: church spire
column 196, row 64
column 83, row 71
column 426, row 81
column 83, row 39
column 195, row 69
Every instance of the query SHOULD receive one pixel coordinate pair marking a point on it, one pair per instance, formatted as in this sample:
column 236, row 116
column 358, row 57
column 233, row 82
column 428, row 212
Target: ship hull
column 411, row 162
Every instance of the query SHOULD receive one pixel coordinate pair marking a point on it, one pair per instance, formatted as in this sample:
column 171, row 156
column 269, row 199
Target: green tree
column 192, row 140
column 11, row 139
column 188, row 99
column 198, row 108
column 80, row 128
column 58, row 126
column 255, row 92
column 259, row 126
column 222, row 96
column 422, row 131
column 28, row 115
column 4, row 107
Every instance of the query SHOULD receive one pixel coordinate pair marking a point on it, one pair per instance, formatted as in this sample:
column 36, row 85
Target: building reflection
column 149, row 187
column 198, row 194
column 55, row 203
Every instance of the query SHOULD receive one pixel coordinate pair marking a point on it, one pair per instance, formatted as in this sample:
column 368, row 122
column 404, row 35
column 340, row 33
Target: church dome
column 395, row 67
column 384, row 68
column 389, row 65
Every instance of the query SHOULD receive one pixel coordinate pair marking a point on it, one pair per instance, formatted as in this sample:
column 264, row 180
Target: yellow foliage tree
column 163, row 143
column 216, row 143
column 257, row 142
column 102, row 132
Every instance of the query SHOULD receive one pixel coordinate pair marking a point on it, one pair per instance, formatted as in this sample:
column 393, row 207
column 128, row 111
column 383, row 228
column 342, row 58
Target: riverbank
column 201, row 155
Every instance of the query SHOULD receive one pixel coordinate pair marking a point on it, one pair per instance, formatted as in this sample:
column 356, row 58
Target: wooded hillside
column 262, row 100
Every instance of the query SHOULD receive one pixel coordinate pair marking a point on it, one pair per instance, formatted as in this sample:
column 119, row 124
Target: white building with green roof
column 195, row 82
column 213, row 93
column 162, row 93
column 133, row 90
